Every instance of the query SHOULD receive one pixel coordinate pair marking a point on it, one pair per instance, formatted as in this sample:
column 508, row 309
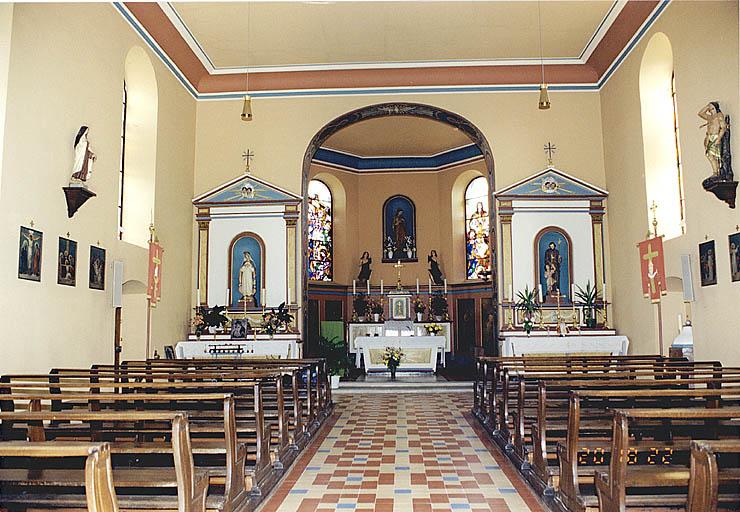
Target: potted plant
column 337, row 360
column 588, row 297
column 276, row 320
column 439, row 307
column 527, row 303
column 419, row 309
column 360, row 305
column 392, row 359
column 376, row 309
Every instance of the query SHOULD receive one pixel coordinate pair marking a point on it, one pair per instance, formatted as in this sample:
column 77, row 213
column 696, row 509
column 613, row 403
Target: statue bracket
column 76, row 197
column 724, row 190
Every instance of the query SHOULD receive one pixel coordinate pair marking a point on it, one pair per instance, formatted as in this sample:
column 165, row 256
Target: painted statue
column 399, row 230
column 248, row 279
column 365, row 269
column 434, row 271
column 553, row 260
column 717, row 150
column 84, row 157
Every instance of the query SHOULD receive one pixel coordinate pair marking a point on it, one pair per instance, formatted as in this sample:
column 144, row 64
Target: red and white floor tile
column 408, row 452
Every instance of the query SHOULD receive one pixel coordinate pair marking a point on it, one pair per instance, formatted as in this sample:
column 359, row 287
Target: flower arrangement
column 589, row 298
column 392, row 359
column 276, row 320
column 419, row 306
column 198, row 324
column 528, row 304
column 439, row 306
column 433, row 329
column 360, row 305
column 375, row 307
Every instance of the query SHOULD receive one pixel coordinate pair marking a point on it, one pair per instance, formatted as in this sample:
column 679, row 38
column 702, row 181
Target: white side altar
column 420, row 352
column 281, row 346
column 518, row 344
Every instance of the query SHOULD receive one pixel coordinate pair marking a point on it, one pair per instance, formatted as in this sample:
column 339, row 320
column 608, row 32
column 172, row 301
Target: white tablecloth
column 285, row 349
column 421, row 351
column 584, row 344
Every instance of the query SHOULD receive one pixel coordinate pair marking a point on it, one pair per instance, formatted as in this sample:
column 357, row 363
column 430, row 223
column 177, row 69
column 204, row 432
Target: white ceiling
column 348, row 32
column 397, row 136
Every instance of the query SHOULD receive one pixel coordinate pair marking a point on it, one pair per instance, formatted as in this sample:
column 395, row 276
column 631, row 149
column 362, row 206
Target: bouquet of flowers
column 392, row 358
column 433, row 329
column 375, row 307
column 198, row 324
column 419, row 306
column 275, row 320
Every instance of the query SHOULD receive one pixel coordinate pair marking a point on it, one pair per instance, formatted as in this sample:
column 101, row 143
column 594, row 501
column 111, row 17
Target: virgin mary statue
column 84, row 157
column 248, row 280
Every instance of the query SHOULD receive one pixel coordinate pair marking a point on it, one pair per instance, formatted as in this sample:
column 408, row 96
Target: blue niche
column 553, row 248
column 253, row 247
column 399, row 229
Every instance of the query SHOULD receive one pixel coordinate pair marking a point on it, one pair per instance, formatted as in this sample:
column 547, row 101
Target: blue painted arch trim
column 359, row 163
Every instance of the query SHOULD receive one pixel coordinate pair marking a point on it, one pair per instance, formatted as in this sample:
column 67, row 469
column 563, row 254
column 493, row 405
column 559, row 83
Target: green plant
column 276, row 319
column 335, row 353
column 214, row 317
column 527, row 303
column 360, row 305
column 419, row 306
column 589, row 298
column 375, row 307
column 439, row 305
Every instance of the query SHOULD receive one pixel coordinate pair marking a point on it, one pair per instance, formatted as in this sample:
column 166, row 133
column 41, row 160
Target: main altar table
column 592, row 344
column 420, row 352
column 283, row 346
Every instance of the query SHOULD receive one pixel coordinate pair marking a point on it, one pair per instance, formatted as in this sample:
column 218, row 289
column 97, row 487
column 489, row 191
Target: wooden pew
column 660, row 485
column 100, row 494
column 704, row 479
column 212, row 426
column 179, row 487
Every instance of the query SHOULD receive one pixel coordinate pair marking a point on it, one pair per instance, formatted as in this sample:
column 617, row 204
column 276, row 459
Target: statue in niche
column 365, row 269
column 553, row 260
column 717, row 150
column 434, row 271
column 399, row 230
column 248, row 280
column 84, row 158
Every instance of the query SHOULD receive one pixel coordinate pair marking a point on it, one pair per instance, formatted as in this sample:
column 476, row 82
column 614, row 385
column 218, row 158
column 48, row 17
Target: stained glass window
column 320, row 254
column 477, row 247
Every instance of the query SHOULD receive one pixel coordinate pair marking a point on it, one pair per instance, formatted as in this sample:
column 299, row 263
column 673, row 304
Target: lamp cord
column 539, row 25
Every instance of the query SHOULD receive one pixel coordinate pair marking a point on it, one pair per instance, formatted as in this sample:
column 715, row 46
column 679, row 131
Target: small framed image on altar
column 400, row 308
column 239, row 328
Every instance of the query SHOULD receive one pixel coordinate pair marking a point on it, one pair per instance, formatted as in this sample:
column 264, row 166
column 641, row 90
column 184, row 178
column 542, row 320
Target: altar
column 280, row 346
column 420, row 352
column 595, row 343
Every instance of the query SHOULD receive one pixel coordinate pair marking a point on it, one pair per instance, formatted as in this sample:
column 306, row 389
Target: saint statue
column 365, row 269
column 716, row 128
column 434, row 271
column 248, row 279
column 553, row 260
column 399, row 230
column 84, row 157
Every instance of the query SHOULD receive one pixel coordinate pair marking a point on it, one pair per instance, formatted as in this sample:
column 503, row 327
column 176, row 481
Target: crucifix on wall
column 247, row 156
column 550, row 150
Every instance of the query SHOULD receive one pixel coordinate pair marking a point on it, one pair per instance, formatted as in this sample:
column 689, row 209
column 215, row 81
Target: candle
column 368, row 287
column 445, row 286
column 289, row 294
column 354, row 287
column 381, row 287
column 430, row 287
column 680, row 324
column 573, row 292
column 264, row 296
column 539, row 293
column 417, row 286
column 511, row 292
column 227, row 298
column 198, row 297
column 603, row 291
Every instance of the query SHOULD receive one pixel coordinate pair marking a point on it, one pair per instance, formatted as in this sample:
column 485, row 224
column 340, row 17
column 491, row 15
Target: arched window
column 477, row 247
column 139, row 152
column 661, row 148
column 320, row 223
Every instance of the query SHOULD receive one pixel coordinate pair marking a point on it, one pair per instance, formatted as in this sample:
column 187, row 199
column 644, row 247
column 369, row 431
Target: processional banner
column 652, row 268
column 154, row 285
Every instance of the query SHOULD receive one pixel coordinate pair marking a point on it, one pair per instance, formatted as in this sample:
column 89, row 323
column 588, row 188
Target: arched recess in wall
column 661, row 147
column 138, row 163
column 457, row 209
column 414, row 110
column 342, row 253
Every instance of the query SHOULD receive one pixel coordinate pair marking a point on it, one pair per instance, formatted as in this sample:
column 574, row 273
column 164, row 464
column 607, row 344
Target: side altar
column 280, row 346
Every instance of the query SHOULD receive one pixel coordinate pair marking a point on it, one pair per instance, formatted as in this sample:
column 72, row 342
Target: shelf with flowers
column 392, row 359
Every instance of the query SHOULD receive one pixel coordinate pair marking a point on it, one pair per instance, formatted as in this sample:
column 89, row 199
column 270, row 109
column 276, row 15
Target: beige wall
column 704, row 37
column 67, row 69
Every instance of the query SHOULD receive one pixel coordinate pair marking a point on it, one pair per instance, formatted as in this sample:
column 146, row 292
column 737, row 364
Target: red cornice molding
column 159, row 26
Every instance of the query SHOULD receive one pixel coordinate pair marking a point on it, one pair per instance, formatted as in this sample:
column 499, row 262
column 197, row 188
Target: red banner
column 154, row 286
column 652, row 268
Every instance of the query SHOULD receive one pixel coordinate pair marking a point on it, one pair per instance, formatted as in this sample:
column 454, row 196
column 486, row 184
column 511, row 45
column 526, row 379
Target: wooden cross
column 550, row 149
column 649, row 256
column 247, row 156
column 398, row 266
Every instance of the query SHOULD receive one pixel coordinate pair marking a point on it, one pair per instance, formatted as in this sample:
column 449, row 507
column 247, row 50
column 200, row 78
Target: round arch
column 414, row 110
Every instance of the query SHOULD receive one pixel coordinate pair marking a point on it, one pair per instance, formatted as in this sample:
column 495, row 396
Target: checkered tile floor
column 402, row 453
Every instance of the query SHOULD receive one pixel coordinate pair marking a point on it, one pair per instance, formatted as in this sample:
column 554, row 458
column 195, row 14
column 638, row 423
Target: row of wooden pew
column 613, row 433
column 184, row 435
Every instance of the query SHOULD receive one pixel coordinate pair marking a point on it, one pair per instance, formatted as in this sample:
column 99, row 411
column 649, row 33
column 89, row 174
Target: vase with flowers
column 375, row 307
column 527, row 304
column 392, row 359
column 439, row 307
column 419, row 308
column 433, row 329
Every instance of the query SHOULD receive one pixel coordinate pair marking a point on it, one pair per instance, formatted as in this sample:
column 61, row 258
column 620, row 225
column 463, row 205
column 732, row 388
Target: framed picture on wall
column 67, row 262
column 734, row 243
column 97, row 268
column 707, row 263
column 29, row 254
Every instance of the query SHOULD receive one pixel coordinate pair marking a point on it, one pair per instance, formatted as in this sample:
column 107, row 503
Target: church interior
column 404, row 255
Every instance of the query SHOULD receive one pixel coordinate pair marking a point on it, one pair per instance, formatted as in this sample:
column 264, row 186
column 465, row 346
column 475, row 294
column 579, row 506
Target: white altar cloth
column 420, row 352
column 571, row 344
column 282, row 348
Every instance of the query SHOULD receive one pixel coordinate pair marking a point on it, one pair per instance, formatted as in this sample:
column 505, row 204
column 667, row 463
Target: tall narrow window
column 477, row 247
column 122, row 165
column 679, row 166
column 320, row 223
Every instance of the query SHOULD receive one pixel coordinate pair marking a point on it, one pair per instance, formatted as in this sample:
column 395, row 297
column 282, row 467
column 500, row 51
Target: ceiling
column 397, row 136
column 284, row 34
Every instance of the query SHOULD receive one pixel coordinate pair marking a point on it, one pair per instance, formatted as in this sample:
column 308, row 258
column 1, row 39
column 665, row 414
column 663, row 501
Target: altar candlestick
column 226, row 301
column 417, row 286
column 289, row 290
column 264, row 296
column 368, row 287
column 573, row 292
column 354, row 287
column 511, row 292
column 198, row 297
column 381, row 287
column 445, row 286
column 430, row 287
column 680, row 324
column 603, row 291
column 539, row 293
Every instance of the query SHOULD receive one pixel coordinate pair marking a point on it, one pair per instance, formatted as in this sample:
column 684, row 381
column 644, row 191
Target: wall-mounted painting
column 29, row 254
column 735, row 257
column 707, row 263
column 399, row 230
column 553, row 257
column 67, row 262
column 246, row 271
column 97, row 268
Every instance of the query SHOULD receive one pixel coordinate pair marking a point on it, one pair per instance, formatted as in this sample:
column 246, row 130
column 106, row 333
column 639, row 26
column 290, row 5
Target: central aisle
column 408, row 452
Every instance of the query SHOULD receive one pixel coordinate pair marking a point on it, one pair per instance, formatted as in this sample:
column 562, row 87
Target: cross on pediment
column 247, row 156
column 550, row 149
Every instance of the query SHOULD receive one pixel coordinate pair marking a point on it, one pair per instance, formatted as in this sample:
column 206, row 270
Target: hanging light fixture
column 247, row 106
column 544, row 102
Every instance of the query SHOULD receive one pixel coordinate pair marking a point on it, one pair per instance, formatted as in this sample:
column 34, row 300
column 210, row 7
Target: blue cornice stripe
column 360, row 163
